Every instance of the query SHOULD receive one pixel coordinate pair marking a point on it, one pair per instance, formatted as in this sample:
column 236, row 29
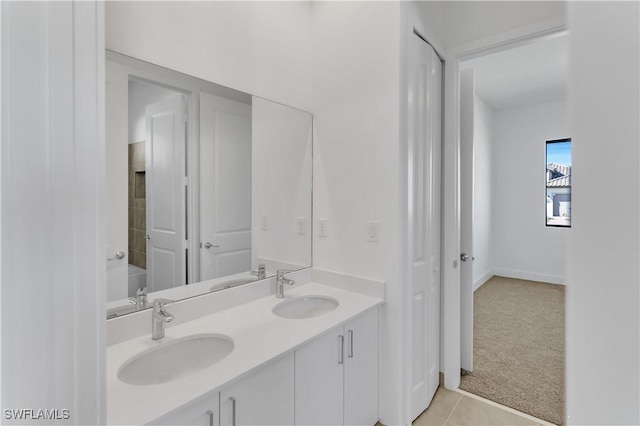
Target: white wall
column 281, row 174
column 523, row 246
column 467, row 21
column 603, row 373
column 53, row 242
column 142, row 94
column 428, row 18
column 356, row 48
column 482, row 192
column 262, row 48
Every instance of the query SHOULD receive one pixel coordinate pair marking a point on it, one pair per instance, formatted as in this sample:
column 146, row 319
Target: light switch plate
column 373, row 230
column 301, row 225
column 323, row 228
column 265, row 222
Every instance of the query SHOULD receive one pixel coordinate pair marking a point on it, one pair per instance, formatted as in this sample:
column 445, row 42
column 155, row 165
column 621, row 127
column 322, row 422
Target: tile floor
column 453, row 408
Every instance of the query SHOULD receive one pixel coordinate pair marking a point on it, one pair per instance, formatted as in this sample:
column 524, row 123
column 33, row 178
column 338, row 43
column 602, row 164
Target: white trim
column 528, row 275
column 54, row 223
column 516, row 37
column 504, row 407
column 483, row 279
column 451, row 195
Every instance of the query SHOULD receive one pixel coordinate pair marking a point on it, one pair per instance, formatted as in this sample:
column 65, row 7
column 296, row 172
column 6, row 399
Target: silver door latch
column 465, row 257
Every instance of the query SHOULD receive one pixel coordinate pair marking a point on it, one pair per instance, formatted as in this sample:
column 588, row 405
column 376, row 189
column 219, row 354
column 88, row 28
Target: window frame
column 546, row 162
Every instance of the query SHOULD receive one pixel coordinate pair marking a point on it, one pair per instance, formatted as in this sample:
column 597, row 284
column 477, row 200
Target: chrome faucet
column 281, row 281
column 261, row 273
column 159, row 317
column 140, row 300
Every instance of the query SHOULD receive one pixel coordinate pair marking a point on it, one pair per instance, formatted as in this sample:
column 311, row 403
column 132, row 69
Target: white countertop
column 259, row 336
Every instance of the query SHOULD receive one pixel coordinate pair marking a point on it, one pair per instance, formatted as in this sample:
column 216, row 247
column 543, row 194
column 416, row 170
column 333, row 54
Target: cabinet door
column 361, row 370
column 319, row 380
column 265, row 397
column 202, row 412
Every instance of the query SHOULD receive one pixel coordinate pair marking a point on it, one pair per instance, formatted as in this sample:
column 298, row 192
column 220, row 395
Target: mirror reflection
column 208, row 187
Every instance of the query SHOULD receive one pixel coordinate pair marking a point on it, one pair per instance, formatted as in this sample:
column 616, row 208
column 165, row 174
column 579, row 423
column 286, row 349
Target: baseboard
column 531, row 276
column 483, row 279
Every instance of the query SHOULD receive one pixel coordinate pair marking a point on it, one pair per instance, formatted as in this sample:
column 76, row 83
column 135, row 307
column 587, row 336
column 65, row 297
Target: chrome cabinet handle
column 341, row 349
column 464, row 257
column 233, row 411
column 119, row 256
column 208, row 245
column 350, row 334
column 210, row 414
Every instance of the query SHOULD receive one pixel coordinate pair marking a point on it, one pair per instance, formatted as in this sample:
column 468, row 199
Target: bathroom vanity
column 317, row 365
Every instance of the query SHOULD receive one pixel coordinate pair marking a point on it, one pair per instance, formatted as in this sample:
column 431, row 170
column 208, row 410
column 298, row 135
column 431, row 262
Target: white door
column 225, row 187
column 165, row 189
column 117, row 173
column 425, row 87
column 467, row 91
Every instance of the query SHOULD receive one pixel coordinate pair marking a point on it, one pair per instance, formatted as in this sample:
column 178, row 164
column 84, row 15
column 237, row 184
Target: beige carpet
column 518, row 338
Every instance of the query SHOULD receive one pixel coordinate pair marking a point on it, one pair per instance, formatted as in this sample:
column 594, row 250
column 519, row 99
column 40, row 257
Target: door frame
column 413, row 27
column 163, row 77
column 450, row 331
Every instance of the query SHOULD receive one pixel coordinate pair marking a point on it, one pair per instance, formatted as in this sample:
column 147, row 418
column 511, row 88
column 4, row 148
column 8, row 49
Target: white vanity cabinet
column 336, row 375
column 264, row 397
column 202, row 412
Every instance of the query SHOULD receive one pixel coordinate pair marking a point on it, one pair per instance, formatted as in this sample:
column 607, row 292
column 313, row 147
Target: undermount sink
column 231, row 283
column 305, row 307
column 176, row 359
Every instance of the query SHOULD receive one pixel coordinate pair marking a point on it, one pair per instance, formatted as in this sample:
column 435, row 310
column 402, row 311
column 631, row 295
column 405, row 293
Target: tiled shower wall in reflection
column 137, row 206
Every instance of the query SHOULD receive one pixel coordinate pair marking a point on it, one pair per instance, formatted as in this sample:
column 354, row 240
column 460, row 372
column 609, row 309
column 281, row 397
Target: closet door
column 424, row 156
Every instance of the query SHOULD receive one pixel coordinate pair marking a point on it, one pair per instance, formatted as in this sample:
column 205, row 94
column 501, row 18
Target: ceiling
column 531, row 74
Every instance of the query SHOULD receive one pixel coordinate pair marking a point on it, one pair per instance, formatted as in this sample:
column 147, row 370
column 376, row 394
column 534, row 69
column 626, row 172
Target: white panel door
column 466, row 218
column 117, row 177
column 165, row 189
column 361, row 370
column 225, row 187
column 319, row 379
column 265, row 397
column 425, row 85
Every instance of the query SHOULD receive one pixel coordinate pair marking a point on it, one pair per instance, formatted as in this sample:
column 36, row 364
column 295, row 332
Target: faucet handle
column 261, row 272
column 159, row 303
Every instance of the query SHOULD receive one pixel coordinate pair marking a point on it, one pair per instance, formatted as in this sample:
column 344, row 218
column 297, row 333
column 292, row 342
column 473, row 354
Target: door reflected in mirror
column 208, row 188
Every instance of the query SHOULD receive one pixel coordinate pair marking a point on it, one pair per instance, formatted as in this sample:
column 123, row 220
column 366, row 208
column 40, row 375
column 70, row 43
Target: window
column 558, row 203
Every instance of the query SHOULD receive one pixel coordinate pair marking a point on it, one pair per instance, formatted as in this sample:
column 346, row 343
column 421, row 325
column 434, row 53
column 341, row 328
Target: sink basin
column 176, row 359
column 305, row 307
column 231, row 283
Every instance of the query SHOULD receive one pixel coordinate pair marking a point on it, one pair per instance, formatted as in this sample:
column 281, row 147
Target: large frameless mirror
column 208, row 188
